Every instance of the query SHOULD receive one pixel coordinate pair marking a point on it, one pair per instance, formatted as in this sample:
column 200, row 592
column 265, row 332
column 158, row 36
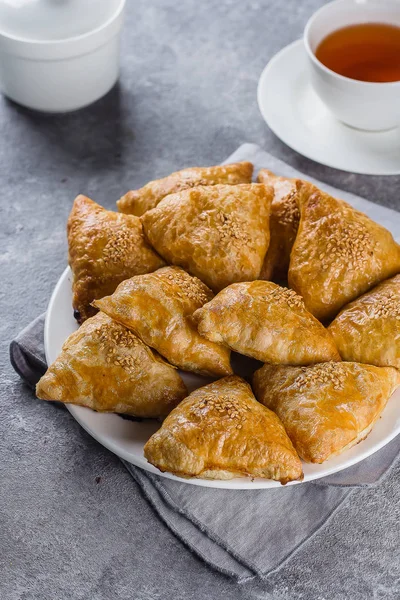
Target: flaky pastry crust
column 158, row 307
column 267, row 322
column 105, row 367
column 339, row 253
column 137, row 202
column 325, row 408
column 105, row 248
column 218, row 233
column 220, row 431
column 368, row 329
column 283, row 225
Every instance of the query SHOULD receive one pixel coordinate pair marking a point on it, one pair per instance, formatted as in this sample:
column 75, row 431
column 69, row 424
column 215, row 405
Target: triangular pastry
column 105, row 367
column 137, row 202
column 218, row 233
column 368, row 329
column 283, row 225
column 105, row 247
column 267, row 322
column 158, row 307
column 325, row 408
column 220, row 431
column 339, row 253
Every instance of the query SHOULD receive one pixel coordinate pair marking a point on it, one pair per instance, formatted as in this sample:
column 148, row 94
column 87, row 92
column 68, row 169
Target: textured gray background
column 187, row 96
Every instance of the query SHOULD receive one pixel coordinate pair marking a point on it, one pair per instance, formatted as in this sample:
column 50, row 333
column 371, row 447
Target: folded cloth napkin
column 242, row 533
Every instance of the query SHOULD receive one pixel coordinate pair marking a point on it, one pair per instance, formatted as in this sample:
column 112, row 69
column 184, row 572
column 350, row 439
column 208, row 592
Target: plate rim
column 234, row 484
column 293, row 145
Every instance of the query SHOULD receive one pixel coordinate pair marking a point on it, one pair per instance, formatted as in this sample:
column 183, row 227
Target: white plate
column 127, row 438
column 297, row 116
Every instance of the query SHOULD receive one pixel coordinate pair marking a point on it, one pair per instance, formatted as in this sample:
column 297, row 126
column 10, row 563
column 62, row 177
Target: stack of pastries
column 204, row 263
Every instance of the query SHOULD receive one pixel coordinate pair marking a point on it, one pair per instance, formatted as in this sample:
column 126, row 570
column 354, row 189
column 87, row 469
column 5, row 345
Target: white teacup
column 360, row 104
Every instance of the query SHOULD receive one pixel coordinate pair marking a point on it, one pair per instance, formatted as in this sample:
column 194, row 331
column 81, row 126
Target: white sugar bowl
column 59, row 55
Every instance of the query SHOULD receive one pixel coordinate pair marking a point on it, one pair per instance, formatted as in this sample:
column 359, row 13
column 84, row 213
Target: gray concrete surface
column 187, row 96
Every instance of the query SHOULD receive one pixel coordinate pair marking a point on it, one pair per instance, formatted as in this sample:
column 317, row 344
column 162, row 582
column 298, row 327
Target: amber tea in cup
column 365, row 52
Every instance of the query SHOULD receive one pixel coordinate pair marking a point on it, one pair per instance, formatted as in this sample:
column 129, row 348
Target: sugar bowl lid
column 50, row 20
column 32, row 23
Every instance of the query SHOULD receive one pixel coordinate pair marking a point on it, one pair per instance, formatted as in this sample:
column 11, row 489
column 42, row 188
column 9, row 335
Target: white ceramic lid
column 53, row 29
column 47, row 20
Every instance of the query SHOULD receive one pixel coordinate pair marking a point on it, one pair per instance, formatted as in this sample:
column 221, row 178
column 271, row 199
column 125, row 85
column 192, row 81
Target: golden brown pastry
column 105, row 248
column 219, row 233
column 220, row 431
column 339, row 253
column 137, row 202
column 267, row 322
column 325, row 408
column 105, row 367
column 158, row 307
column 368, row 329
column 283, row 225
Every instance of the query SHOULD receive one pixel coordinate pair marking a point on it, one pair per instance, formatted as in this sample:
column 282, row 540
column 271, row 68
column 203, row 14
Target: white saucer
column 296, row 115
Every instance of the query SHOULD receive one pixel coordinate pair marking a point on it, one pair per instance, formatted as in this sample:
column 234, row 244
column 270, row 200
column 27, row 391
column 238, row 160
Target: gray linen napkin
column 242, row 533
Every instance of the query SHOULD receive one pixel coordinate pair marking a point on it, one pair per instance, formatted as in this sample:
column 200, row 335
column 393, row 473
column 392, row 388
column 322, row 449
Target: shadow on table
column 96, row 134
